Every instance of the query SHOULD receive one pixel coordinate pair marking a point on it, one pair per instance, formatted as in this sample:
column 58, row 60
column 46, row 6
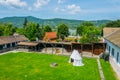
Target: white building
column 112, row 40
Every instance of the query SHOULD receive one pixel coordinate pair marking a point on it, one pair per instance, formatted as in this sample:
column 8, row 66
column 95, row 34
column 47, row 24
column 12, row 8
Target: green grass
column 36, row 66
column 107, row 70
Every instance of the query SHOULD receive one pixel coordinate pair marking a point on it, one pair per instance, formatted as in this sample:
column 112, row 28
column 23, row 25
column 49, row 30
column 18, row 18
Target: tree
column 82, row 28
column 32, row 31
column 1, row 29
column 79, row 30
column 25, row 22
column 8, row 30
column 113, row 23
column 20, row 31
column 46, row 29
column 62, row 31
column 90, row 35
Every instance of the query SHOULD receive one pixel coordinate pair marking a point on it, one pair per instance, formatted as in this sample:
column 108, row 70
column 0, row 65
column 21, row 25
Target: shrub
column 105, row 56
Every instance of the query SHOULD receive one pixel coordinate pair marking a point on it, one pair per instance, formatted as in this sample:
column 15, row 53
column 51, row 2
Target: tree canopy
column 82, row 28
column 8, row 29
column 115, row 23
column 45, row 29
column 32, row 31
column 25, row 23
column 89, row 33
column 62, row 31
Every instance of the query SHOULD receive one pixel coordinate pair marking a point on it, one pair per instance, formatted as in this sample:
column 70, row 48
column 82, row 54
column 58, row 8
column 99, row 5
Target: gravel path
column 100, row 70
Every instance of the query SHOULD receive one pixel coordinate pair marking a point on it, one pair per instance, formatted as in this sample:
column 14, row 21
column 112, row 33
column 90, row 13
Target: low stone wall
column 8, row 49
column 115, row 66
column 54, row 50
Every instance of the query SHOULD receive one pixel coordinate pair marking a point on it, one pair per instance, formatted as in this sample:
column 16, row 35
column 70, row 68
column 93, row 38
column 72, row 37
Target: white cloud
column 70, row 9
column 13, row 3
column 59, row 10
column 39, row 3
column 73, row 9
column 60, row 1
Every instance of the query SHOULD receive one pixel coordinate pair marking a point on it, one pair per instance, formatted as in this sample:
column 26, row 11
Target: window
column 109, row 49
column 117, row 56
column 107, row 46
column 113, row 52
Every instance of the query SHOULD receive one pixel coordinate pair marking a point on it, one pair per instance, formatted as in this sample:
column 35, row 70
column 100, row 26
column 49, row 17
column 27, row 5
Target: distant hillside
column 18, row 21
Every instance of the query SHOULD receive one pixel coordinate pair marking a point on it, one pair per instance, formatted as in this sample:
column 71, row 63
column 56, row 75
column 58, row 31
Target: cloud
column 73, row 9
column 39, row 3
column 13, row 3
column 70, row 9
column 60, row 1
column 59, row 10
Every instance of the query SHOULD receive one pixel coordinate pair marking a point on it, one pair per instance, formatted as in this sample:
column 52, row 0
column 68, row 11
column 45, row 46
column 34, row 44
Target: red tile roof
column 50, row 35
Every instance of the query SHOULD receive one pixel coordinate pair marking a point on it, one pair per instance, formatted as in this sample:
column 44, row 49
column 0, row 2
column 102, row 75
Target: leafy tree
column 79, row 30
column 82, row 28
column 113, row 24
column 32, row 31
column 62, row 31
column 46, row 29
column 25, row 22
column 20, row 31
column 1, row 29
column 8, row 29
column 101, row 29
column 91, row 34
column 87, row 24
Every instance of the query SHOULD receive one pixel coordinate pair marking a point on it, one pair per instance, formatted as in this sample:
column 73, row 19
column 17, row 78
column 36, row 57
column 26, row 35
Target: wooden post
column 55, row 48
column 81, row 49
column 92, row 49
column 62, row 48
column 103, row 46
column 45, row 48
column 71, row 48
column 52, row 47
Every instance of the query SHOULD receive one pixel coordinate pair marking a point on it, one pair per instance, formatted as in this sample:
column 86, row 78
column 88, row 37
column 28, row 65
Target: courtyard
column 36, row 66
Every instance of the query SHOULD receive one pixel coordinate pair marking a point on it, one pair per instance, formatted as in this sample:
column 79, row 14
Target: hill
column 18, row 21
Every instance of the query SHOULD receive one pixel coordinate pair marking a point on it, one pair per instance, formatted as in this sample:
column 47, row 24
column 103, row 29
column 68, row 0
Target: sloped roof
column 114, row 37
column 21, row 38
column 2, row 42
column 109, row 30
column 28, row 43
column 11, row 39
column 51, row 35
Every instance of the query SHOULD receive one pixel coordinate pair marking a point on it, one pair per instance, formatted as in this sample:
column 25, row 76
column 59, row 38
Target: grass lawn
column 36, row 66
column 107, row 70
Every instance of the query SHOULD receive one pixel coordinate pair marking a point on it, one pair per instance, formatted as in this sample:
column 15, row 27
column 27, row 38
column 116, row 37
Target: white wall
column 113, row 59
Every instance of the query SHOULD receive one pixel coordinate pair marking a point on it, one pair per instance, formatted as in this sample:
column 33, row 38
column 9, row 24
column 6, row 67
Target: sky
column 67, row 9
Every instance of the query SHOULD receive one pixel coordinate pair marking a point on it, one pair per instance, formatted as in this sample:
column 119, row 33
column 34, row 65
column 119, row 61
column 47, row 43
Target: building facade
column 7, row 42
column 112, row 41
